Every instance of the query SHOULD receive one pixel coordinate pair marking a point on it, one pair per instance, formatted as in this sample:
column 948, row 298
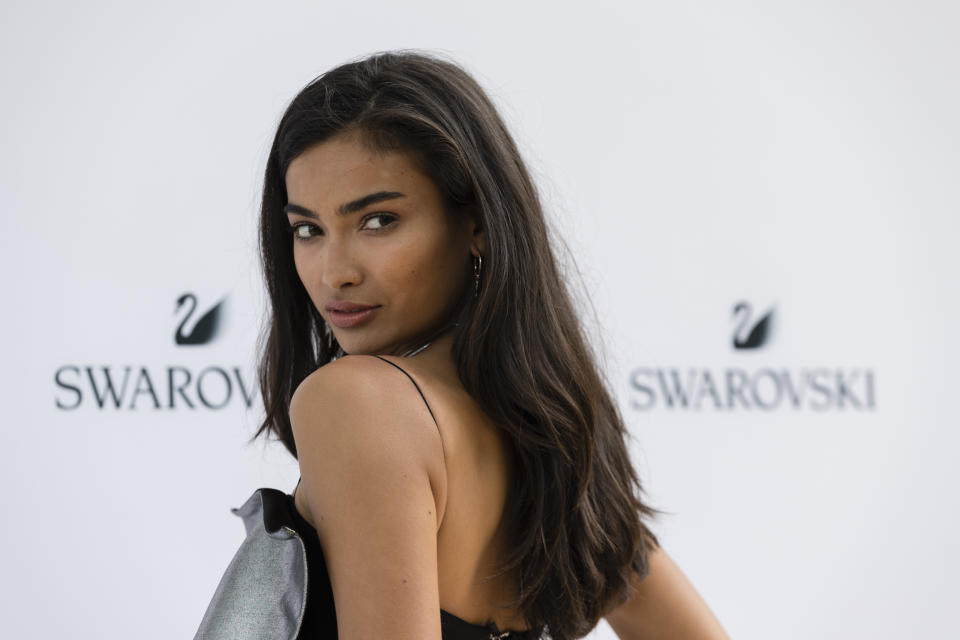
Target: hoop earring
column 477, row 265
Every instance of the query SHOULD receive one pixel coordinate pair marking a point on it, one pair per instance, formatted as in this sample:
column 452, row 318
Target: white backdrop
column 801, row 157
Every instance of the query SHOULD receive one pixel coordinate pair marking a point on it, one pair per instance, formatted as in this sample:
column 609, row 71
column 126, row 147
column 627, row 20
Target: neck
column 424, row 342
column 437, row 358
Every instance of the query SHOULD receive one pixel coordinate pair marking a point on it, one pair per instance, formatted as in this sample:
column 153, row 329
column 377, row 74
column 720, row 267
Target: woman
column 464, row 472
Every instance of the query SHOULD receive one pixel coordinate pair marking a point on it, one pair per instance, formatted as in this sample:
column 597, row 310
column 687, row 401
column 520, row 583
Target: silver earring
column 477, row 264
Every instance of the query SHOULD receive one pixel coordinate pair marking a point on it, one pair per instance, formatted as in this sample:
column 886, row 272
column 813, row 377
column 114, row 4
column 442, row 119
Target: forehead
column 343, row 167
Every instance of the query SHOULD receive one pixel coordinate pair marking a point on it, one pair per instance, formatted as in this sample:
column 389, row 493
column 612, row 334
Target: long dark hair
column 575, row 516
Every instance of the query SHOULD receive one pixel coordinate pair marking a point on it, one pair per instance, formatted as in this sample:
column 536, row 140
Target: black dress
column 277, row 585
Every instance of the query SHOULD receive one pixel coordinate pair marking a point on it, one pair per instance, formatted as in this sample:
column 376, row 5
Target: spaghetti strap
column 442, row 446
column 419, row 391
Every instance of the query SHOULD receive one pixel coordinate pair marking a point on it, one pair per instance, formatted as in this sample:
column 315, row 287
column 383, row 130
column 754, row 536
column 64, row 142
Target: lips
column 351, row 318
column 347, row 306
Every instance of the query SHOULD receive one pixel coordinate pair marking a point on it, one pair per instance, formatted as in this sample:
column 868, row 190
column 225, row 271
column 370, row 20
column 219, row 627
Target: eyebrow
column 350, row 207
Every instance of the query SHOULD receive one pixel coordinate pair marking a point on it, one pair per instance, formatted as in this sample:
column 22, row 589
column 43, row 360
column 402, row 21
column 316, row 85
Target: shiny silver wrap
column 263, row 593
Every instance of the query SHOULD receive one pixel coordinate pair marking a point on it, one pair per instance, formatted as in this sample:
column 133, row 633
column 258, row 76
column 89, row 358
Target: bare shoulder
column 360, row 413
column 369, row 455
column 355, row 375
column 359, row 387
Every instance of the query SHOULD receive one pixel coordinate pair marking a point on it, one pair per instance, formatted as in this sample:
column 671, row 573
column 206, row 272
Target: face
column 369, row 228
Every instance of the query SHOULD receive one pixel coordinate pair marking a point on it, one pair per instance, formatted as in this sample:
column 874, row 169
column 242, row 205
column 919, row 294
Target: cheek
column 435, row 275
column 410, row 276
column 406, row 276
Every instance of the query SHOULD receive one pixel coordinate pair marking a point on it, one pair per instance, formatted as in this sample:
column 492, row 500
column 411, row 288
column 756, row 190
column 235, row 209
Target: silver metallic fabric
column 263, row 593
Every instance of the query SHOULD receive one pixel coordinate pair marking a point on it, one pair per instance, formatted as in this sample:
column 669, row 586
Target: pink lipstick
column 346, row 315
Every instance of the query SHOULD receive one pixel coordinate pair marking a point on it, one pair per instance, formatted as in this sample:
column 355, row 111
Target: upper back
column 471, row 539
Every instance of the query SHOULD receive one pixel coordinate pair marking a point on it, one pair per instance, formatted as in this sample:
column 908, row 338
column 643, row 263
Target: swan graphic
column 758, row 335
column 206, row 327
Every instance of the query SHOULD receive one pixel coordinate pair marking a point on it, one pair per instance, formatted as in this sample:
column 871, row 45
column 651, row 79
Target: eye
column 297, row 230
column 304, row 231
column 389, row 220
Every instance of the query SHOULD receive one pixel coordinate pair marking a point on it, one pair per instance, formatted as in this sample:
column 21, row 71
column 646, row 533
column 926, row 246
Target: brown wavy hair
column 575, row 514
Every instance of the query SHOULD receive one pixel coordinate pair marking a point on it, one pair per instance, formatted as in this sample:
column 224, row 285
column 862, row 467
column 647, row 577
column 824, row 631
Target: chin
column 356, row 347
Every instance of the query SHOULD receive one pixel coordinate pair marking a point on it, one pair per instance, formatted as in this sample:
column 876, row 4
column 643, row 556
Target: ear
column 478, row 236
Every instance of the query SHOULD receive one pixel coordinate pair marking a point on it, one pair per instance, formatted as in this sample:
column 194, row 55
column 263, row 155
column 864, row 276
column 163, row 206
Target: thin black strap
column 420, row 392
column 443, row 447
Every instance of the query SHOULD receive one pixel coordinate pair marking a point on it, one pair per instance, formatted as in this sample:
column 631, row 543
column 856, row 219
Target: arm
column 665, row 605
column 368, row 452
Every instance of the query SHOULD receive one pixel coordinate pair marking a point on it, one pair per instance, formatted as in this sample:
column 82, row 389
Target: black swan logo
column 206, row 327
column 758, row 335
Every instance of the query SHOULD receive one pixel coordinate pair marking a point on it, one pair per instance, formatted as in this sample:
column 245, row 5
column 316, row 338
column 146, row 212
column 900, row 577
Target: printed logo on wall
column 764, row 388
column 129, row 387
column 205, row 330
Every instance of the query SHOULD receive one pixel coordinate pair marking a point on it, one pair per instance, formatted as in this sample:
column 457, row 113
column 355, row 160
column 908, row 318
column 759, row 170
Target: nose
column 338, row 266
